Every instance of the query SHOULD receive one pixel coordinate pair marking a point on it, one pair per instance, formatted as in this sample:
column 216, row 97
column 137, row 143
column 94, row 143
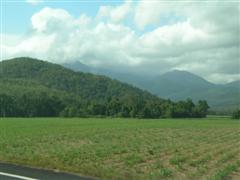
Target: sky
column 145, row 37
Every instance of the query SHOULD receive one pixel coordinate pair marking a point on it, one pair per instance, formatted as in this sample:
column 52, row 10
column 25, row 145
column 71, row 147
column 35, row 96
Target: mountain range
column 175, row 85
column 32, row 88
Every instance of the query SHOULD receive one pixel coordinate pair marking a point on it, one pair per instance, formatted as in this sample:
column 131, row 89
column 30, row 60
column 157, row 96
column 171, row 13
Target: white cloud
column 174, row 38
column 34, row 2
column 33, row 46
column 149, row 13
column 206, row 42
column 223, row 78
column 115, row 14
column 50, row 20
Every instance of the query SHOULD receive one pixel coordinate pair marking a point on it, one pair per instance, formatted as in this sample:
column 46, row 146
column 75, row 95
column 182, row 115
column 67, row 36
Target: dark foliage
column 236, row 114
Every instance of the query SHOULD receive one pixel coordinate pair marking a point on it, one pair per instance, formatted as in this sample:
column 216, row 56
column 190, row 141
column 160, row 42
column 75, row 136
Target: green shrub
column 236, row 114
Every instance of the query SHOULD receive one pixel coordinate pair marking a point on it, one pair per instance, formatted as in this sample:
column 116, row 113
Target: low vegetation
column 125, row 148
column 236, row 114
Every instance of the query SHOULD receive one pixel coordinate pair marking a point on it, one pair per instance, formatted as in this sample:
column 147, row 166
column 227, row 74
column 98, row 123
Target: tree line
column 236, row 114
column 45, row 105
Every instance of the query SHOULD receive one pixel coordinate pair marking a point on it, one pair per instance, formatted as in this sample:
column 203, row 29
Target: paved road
column 15, row 172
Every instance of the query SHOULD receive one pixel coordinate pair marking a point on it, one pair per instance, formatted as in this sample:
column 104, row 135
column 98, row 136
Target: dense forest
column 35, row 88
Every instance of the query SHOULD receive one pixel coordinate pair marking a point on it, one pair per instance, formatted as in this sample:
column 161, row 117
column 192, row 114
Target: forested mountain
column 171, row 84
column 86, row 85
column 31, row 87
column 180, row 85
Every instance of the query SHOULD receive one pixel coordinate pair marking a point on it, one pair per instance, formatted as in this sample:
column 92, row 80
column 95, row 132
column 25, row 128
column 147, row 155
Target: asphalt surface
column 15, row 172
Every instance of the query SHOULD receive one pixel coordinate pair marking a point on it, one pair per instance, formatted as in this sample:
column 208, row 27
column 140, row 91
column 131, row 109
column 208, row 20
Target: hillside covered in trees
column 175, row 85
column 31, row 88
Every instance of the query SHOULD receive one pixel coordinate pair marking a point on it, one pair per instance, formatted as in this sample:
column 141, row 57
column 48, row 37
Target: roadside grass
column 125, row 148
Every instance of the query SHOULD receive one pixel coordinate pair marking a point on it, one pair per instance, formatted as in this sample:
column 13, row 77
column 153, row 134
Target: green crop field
column 125, row 148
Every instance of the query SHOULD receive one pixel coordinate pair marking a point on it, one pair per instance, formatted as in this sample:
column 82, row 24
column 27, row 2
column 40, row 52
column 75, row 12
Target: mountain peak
column 181, row 73
column 175, row 82
column 184, row 77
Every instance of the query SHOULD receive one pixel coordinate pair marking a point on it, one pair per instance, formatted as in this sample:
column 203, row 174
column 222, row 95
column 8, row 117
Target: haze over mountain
column 179, row 85
column 176, row 85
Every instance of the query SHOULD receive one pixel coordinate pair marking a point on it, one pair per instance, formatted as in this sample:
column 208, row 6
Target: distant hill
column 180, row 85
column 31, row 87
column 126, row 77
column 172, row 83
column 234, row 84
column 85, row 85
